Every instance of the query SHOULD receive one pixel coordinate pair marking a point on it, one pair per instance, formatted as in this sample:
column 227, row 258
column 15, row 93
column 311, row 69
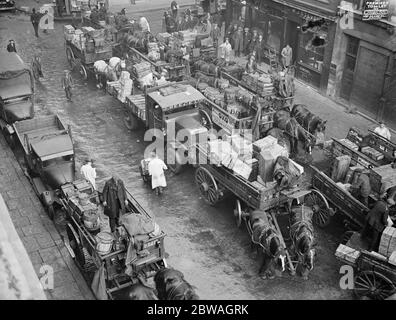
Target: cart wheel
column 130, row 120
column 205, row 120
column 83, row 72
column 207, row 185
column 175, row 167
column 76, row 245
column 373, row 285
column 70, row 57
column 320, row 207
column 346, row 236
column 238, row 213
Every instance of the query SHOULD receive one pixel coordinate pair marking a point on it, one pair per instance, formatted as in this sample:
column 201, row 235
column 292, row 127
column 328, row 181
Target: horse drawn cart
column 83, row 61
column 112, row 260
column 375, row 274
column 217, row 182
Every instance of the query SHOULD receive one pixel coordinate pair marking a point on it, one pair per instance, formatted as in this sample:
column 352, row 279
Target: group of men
column 114, row 194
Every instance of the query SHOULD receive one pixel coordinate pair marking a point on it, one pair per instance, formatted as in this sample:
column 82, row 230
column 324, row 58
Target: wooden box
column 340, row 168
column 388, row 242
column 347, row 254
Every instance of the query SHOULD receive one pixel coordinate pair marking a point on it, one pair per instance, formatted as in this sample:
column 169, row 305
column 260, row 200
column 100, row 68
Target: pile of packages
column 153, row 51
column 87, row 38
column 126, row 86
column 143, row 73
column 188, row 37
column 388, row 242
column 164, row 37
column 252, row 161
column 261, row 83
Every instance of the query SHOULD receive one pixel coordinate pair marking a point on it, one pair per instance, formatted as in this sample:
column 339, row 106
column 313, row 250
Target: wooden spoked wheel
column 130, row 120
column 83, row 71
column 321, row 210
column 207, row 185
column 238, row 213
column 75, row 245
column 373, row 285
column 70, row 57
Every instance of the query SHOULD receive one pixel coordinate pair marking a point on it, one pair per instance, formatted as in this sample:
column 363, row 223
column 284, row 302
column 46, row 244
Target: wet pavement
column 202, row 241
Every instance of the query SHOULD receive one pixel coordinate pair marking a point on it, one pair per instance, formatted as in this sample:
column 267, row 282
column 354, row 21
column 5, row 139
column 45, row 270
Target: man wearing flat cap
column 362, row 188
column 376, row 221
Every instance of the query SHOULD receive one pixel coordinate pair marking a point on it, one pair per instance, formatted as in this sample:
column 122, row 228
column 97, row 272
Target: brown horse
column 265, row 235
column 308, row 120
column 284, row 121
column 302, row 236
column 171, row 285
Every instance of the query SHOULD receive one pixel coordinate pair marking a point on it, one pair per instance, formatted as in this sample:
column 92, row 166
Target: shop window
column 351, row 53
column 309, row 55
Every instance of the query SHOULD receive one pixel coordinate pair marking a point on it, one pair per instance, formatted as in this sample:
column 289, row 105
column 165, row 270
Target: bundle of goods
column 223, row 84
column 237, row 110
column 289, row 170
column 346, row 253
column 153, row 51
column 79, row 39
column 244, row 97
column 206, row 68
column 164, row 37
column 372, row 153
column 126, row 86
column 267, row 150
column 188, row 37
column 68, row 31
column 113, row 88
column 110, row 33
column 350, row 144
column 265, row 85
column 142, row 69
column 382, row 178
column 340, row 168
column 212, row 81
column 388, row 242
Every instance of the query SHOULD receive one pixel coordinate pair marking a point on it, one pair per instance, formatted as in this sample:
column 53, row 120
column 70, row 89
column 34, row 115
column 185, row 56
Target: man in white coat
column 383, row 131
column 156, row 169
column 89, row 173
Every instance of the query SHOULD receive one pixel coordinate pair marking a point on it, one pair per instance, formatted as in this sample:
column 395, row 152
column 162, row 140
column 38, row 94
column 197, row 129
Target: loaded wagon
column 371, row 150
column 216, row 182
column 120, row 258
column 82, row 54
column 375, row 274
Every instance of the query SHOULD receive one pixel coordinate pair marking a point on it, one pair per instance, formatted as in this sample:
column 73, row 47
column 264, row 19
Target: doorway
column 292, row 33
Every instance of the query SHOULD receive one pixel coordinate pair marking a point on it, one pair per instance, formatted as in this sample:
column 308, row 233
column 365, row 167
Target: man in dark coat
column 174, row 9
column 362, row 188
column 247, row 36
column 376, row 221
column 259, row 48
column 11, row 46
column 114, row 200
column 35, row 19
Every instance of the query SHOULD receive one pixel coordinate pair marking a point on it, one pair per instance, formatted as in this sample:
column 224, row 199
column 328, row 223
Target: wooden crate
column 340, row 168
column 347, row 254
column 388, row 241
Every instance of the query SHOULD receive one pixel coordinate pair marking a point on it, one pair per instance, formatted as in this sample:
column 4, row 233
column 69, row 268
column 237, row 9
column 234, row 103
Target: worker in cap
column 361, row 189
column 375, row 222
column 88, row 172
column 67, row 84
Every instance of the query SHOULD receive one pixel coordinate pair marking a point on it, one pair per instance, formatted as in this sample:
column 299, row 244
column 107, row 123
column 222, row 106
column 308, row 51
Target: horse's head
column 321, row 126
column 140, row 292
column 171, row 285
column 305, row 252
column 309, row 142
column 277, row 251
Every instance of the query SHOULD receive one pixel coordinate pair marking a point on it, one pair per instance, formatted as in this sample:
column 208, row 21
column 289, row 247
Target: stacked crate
column 68, row 31
column 388, row 242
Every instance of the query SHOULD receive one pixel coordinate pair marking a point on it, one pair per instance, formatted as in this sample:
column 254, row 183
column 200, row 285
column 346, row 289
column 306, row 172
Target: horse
column 171, row 285
column 103, row 73
column 139, row 291
column 265, row 235
column 302, row 237
column 308, row 120
column 290, row 126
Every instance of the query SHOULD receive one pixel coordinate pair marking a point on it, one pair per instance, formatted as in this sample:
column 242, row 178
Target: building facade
column 363, row 65
column 282, row 22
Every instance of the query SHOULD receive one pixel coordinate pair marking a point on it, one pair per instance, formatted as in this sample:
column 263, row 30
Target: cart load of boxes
column 253, row 161
column 88, row 39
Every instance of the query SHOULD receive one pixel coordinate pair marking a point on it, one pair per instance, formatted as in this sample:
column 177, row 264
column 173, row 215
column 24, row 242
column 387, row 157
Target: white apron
column 156, row 169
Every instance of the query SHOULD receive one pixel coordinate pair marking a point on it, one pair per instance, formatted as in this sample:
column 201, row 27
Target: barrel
column 91, row 220
column 104, row 242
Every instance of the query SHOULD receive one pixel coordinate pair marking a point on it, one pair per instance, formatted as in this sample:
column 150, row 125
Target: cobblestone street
column 202, row 241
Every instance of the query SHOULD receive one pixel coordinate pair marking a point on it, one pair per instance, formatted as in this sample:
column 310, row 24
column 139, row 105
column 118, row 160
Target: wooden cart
column 216, row 182
column 150, row 252
column 84, row 61
column 375, row 275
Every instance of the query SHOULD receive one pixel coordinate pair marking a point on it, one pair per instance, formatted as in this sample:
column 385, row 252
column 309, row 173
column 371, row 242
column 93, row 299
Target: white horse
column 107, row 72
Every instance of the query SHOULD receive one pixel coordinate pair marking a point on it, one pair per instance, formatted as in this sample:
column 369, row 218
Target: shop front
column 281, row 24
column 364, row 64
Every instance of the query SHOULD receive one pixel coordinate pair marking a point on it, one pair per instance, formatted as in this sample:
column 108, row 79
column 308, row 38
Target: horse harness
column 268, row 239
